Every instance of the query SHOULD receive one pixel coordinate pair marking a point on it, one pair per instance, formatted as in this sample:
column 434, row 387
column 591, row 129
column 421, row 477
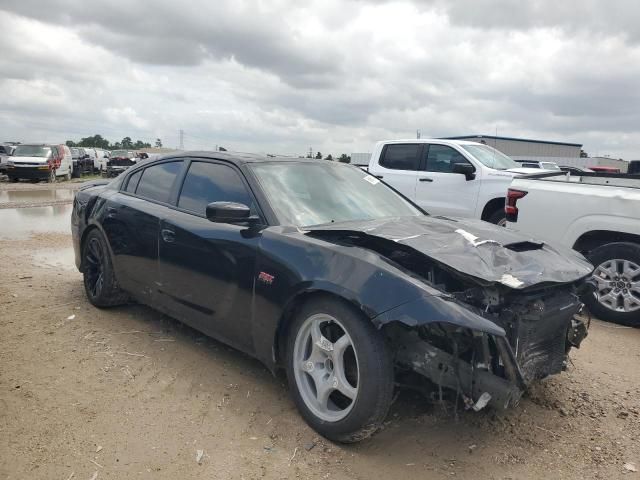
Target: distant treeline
column 98, row 141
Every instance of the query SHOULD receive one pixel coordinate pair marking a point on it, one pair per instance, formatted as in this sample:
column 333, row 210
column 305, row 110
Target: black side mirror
column 230, row 212
column 465, row 169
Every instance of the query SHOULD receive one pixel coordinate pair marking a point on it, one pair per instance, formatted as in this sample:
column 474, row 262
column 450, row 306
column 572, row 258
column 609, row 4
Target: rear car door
column 207, row 269
column 398, row 166
column 131, row 221
column 440, row 191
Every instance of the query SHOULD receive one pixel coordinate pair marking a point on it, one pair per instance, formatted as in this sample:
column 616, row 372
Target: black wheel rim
column 94, row 267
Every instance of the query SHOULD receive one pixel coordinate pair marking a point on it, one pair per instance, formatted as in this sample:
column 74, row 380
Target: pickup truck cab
column 448, row 177
column 599, row 216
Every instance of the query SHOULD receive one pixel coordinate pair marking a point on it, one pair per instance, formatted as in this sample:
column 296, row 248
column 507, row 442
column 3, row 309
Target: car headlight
column 9, row 163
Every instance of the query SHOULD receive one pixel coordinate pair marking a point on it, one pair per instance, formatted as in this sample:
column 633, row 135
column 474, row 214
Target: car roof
column 239, row 157
column 441, row 141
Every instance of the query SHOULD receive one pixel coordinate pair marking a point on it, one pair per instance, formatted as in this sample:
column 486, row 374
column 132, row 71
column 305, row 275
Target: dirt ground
column 129, row 393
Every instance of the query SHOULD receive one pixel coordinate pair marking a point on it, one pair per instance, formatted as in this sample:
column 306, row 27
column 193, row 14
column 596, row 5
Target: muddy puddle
column 36, row 196
column 19, row 223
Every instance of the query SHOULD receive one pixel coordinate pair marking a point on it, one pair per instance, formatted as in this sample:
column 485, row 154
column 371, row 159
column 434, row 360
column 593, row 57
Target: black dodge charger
column 323, row 270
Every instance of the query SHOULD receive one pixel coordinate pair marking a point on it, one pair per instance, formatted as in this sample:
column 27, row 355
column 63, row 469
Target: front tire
column 100, row 283
column 617, row 275
column 52, row 176
column 339, row 369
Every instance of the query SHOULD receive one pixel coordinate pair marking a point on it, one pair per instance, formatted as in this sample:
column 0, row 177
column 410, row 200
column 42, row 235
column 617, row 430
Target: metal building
column 527, row 149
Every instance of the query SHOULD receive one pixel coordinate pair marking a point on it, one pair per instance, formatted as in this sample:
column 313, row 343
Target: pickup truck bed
column 596, row 214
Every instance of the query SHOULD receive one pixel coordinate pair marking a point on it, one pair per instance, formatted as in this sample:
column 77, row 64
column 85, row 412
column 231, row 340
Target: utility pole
column 181, row 139
column 310, row 152
column 418, row 134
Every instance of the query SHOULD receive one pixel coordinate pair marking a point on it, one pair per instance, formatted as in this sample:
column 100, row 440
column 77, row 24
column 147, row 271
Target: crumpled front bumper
column 497, row 370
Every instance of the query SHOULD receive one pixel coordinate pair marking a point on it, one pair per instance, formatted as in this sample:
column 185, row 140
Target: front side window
column 157, row 180
column 398, row 156
column 212, row 182
column 441, row 158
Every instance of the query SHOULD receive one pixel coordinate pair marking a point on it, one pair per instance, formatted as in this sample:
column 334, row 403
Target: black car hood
column 475, row 248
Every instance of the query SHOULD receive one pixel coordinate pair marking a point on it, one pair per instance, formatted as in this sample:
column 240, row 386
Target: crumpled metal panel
column 489, row 253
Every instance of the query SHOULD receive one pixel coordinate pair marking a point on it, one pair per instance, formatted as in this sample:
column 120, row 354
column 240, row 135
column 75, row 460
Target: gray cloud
column 282, row 76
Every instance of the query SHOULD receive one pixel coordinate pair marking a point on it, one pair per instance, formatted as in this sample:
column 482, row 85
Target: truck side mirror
column 465, row 169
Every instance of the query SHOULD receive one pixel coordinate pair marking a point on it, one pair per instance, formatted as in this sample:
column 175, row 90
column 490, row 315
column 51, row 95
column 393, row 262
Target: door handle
column 425, row 179
column 168, row 236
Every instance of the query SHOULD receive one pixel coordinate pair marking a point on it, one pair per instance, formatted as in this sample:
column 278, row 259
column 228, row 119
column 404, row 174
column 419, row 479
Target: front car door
column 440, row 191
column 207, row 269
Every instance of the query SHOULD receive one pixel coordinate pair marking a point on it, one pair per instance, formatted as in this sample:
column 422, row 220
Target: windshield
column 121, row 153
column 549, row 166
column 31, row 151
column 305, row 194
column 490, row 157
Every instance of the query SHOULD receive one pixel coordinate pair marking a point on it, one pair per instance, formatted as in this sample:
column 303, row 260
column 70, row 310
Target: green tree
column 318, row 156
column 95, row 141
column 126, row 142
column 70, row 143
column 344, row 158
column 158, row 143
column 328, row 157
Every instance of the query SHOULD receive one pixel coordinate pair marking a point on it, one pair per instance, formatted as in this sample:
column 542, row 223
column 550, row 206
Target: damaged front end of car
column 493, row 315
column 530, row 337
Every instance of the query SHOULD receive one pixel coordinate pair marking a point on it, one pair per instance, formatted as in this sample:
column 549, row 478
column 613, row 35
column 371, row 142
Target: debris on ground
column 309, row 446
column 199, row 455
column 630, row 467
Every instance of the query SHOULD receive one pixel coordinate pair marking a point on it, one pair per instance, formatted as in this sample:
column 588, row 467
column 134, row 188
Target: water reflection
column 28, row 196
column 18, row 223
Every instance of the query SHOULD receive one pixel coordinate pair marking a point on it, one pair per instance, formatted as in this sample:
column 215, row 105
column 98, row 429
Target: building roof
column 513, row 139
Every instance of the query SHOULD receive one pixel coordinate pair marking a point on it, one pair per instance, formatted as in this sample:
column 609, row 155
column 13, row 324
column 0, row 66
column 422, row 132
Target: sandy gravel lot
column 129, row 393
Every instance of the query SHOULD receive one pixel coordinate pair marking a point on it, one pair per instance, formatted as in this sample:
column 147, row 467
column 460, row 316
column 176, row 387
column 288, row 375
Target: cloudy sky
column 281, row 76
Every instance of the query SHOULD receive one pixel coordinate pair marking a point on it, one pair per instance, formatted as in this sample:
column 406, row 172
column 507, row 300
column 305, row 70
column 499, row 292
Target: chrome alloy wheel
column 326, row 367
column 618, row 285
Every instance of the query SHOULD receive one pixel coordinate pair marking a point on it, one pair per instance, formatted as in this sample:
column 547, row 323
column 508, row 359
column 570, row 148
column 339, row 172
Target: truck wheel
column 14, row 179
column 100, row 282
column 67, row 177
column 52, row 176
column 499, row 218
column 617, row 276
column 340, row 371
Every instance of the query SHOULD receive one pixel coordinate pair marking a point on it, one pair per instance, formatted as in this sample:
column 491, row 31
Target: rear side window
column 133, row 182
column 211, row 182
column 441, row 158
column 157, row 180
column 401, row 156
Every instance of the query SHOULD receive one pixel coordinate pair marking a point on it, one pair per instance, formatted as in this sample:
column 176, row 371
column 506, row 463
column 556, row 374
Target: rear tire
column 617, row 275
column 498, row 218
column 349, row 359
column 100, row 283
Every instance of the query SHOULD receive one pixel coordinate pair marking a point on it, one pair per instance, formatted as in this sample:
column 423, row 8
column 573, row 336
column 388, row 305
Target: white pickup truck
column 448, row 177
column 595, row 214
